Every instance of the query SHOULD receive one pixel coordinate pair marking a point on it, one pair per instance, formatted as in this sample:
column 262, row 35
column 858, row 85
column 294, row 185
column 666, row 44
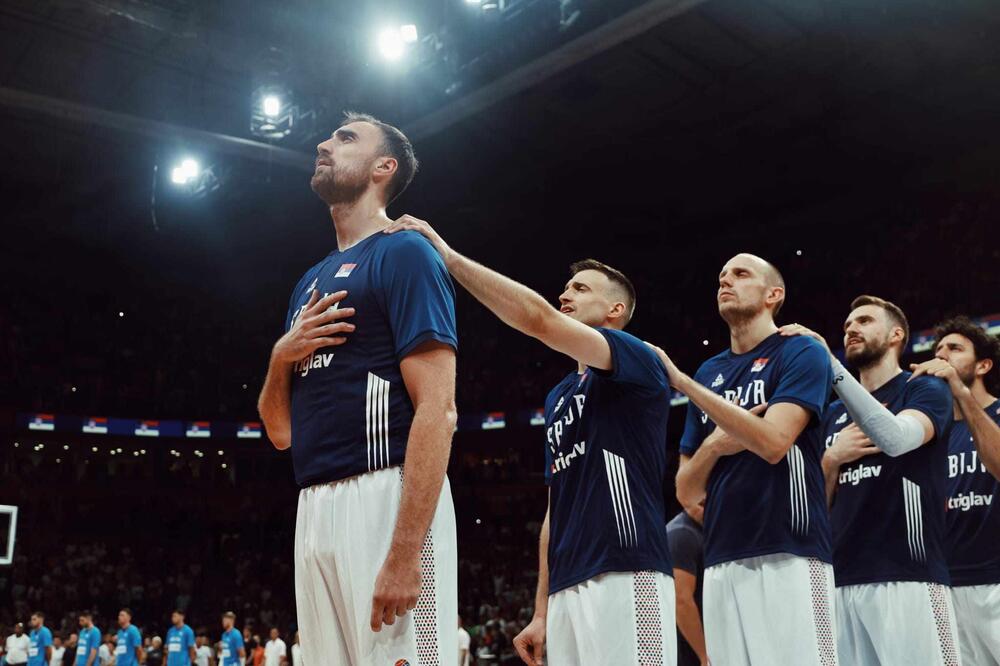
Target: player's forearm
column 831, row 473
column 985, row 433
column 424, row 468
column 515, row 304
column 693, row 474
column 689, row 622
column 275, row 403
column 542, row 591
column 758, row 435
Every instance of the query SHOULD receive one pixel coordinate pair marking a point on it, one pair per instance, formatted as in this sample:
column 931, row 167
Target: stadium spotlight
column 271, row 105
column 187, row 172
column 473, row 2
column 391, row 43
column 408, row 33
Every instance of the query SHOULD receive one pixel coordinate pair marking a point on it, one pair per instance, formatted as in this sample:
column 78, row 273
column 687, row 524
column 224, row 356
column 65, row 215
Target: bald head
column 748, row 284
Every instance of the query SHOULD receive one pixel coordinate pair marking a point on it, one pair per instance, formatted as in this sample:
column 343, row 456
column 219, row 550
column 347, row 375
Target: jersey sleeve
column 695, row 429
column 685, row 549
column 419, row 294
column 806, row 377
column 135, row 638
column 237, row 640
column 633, row 362
column 45, row 639
column 931, row 397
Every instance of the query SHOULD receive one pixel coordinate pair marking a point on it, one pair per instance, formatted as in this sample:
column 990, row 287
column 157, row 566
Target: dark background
column 852, row 143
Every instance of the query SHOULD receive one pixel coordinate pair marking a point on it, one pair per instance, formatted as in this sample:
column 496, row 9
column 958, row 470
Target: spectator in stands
column 463, row 644
column 203, row 653
column 275, row 652
column 154, row 655
column 58, row 651
column 16, row 649
column 106, row 653
column 296, row 651
column 69, row 654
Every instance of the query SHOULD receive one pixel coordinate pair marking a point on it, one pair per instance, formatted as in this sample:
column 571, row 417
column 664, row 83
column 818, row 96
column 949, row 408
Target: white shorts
column 614, row 619
column 775, row 609
column 343, row 531
column 896, row 623
column 977, row 613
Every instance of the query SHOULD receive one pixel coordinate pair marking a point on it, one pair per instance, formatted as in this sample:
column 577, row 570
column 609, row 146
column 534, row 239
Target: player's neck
column 876, row 376
column 746, row 335
column 358, row 220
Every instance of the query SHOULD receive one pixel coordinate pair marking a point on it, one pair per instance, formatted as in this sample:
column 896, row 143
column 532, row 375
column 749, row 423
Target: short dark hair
column 396, row 145
column 984, row 345
column 86, row 613
column 230, row 614
column 127, row 611
column 894, row 311
column 613, row 274
column 779, row 281
column 179, row 611
column 39, row 614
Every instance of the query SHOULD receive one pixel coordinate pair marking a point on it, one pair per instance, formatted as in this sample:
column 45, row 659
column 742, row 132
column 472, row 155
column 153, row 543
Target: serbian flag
column 494, row 421
column 42, row 422
column 148, row 429
column 249, row 430
column 199, row 429
column 537, row 417
column 96, row 425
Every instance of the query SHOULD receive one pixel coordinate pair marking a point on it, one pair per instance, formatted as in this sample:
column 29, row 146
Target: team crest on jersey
column 842, row 419
column 719, row 381
column 758, row 365
column 345, row 270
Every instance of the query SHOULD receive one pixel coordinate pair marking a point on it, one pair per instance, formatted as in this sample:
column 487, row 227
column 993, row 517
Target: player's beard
column 967, row 375
column 871, row 352
column 737, row 314
column 340, row 185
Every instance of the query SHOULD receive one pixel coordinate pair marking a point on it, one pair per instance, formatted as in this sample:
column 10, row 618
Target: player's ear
column 385, row 167
column 983, row 367
column 617, row 310
column 775, row 295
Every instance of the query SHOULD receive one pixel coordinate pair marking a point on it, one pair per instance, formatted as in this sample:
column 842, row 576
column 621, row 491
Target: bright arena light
column 408, row 33
column 272, row 106
column 186, row 172
column 391, row 43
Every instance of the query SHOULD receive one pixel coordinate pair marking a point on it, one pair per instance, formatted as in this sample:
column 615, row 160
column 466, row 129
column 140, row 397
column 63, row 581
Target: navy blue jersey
column 973, row 518
column 605, row 460
column 350, row 409
column 752, row 507
column 888, row 513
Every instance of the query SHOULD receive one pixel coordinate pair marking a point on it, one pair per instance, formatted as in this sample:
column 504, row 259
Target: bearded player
column 887, row 440
column 968, row 359
column 369, row 419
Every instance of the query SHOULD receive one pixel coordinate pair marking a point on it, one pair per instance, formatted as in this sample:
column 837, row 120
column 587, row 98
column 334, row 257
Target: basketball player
column 605, row 593
column 128, row 642
column 968, row 359
column 180, row 641
column 371, row 542
column 884, row 465
column 88, row 642
column 40, row 647
column 232, row 652
column 768, row 581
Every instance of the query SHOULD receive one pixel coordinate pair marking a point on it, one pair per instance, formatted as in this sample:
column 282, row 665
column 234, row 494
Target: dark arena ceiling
column 638, row 131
